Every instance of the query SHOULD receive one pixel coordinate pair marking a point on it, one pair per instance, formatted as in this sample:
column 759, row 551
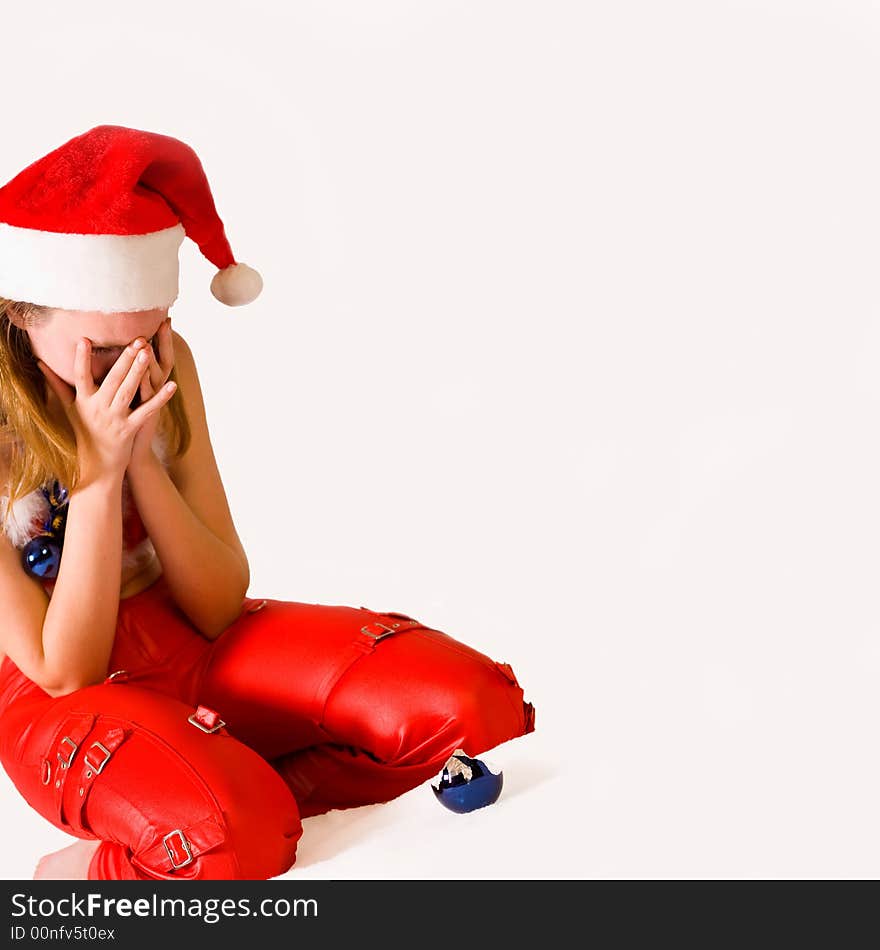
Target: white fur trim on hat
column 103, row 272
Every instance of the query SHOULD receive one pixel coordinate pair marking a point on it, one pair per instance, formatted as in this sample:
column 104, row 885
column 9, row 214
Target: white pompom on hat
column 97, row 224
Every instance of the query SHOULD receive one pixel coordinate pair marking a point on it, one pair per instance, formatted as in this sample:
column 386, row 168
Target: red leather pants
column 322, row 707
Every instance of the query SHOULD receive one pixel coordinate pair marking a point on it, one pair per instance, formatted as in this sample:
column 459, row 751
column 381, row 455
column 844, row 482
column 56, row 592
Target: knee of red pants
column 171, row 801
column 416, row 699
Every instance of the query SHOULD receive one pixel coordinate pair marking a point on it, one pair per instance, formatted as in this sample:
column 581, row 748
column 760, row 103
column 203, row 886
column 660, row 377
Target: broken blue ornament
column 465, row 783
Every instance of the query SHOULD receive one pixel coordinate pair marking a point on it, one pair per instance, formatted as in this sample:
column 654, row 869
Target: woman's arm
column 80, row 621
column 79, row 625
column 187, row 517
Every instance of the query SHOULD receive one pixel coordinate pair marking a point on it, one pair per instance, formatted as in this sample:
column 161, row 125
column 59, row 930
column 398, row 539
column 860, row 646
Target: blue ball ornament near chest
column 41, row 556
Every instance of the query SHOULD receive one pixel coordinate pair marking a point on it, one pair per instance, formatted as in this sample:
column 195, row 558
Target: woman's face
column 54, row 339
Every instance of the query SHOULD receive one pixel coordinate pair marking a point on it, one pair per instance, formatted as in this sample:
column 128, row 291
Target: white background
column 568, row 346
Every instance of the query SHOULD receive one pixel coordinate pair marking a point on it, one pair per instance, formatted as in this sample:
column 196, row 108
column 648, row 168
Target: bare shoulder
column 188, row 377
column 183, row 355
column 180, row 345
column 193, row 403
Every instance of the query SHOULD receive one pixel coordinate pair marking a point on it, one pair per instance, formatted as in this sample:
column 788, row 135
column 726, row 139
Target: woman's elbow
column 211, row 628
column 53, row 692
column 213, row 631
column 246, row 576
column 63, row 686
column 64, row 690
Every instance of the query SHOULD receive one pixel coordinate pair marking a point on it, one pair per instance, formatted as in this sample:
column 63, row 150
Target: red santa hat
column 97, row 223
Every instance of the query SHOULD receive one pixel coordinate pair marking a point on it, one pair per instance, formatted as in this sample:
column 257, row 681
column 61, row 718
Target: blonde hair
column 43, row 450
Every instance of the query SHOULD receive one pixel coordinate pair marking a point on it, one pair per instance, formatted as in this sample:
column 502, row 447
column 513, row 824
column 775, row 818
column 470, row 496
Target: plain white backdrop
column 569, row 345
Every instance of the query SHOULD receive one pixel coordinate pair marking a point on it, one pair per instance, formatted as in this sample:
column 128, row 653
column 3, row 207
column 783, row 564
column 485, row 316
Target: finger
column 143, row 392
column 144, row 411
column 137, row 366
column 62, row 389
column 82, row 368
column 156, row 375
column 147, row 386
column 119, row 373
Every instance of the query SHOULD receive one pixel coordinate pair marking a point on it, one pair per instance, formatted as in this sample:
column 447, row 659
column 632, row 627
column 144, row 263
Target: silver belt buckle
column 384, row 629
column 65, row 762
column 107, row 754
column 220, row 724
column 184, row 844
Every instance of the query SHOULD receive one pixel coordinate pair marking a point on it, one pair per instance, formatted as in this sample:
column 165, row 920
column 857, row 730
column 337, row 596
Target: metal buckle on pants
column 107, row 755
column 383, row 629
column 65, row 762
column 204, row 723
column 183, row 843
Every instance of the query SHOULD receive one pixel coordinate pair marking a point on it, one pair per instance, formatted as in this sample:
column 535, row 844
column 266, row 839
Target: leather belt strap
column 66, row 747
column 180, row 846
column 95, row 754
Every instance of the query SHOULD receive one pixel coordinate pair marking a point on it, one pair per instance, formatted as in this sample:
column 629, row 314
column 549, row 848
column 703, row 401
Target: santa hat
column 97, row 223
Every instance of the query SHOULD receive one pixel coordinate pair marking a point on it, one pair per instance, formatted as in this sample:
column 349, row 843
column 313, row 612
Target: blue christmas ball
column 41, row 557
column 465, row 784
